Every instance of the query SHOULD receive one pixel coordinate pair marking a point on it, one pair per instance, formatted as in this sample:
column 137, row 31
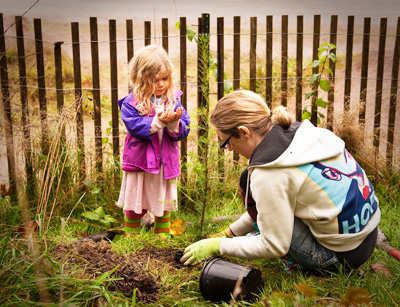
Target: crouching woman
column 306, row 197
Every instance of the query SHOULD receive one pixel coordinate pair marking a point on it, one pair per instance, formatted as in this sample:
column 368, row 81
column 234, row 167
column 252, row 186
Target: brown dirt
column 98, row 258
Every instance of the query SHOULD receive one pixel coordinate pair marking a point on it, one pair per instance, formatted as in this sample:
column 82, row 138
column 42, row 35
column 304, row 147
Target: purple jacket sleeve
column 138, row 126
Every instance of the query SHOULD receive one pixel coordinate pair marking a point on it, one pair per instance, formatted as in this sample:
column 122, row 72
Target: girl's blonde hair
column 246, row 108
column 149, row 63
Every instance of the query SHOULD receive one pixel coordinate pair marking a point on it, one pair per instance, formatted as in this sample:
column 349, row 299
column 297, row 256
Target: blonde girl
column 155, row 121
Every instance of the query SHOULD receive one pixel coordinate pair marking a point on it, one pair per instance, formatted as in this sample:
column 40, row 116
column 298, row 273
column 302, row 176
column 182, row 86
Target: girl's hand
column 178, row 113
column 169, row 115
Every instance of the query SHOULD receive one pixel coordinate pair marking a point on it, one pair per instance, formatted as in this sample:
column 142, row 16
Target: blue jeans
column 307, row 252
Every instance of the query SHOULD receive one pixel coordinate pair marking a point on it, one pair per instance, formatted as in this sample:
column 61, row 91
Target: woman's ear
column 243, row 130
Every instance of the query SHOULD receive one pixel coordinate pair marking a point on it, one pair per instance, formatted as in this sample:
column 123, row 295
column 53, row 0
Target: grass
column 30, row 275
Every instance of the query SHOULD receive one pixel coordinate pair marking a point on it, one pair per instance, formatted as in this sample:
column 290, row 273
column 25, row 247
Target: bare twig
column 22, row 15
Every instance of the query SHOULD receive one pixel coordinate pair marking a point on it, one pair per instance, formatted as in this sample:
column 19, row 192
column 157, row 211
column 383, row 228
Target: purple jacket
column 142, row 152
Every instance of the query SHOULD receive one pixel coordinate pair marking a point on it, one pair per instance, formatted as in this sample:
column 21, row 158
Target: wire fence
column 266, row 62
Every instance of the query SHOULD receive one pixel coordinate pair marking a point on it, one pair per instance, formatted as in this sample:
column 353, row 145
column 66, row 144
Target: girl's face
column 161, row 84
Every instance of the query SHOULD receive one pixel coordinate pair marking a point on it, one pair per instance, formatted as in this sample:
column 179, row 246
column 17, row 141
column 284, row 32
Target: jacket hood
column 302, row 143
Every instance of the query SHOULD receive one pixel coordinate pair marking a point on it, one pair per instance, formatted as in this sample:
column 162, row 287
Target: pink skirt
column 141, row 190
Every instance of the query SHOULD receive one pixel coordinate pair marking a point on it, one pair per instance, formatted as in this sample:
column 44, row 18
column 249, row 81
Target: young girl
column 156, row 121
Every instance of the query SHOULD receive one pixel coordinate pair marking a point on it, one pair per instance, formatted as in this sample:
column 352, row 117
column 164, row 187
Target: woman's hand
column 169, row 116
column 200, row 250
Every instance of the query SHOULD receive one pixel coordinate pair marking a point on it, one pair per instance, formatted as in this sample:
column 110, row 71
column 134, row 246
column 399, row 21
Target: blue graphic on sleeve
column 348, row 187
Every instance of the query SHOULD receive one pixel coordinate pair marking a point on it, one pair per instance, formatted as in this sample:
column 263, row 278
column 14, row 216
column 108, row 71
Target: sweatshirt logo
column 353, row 194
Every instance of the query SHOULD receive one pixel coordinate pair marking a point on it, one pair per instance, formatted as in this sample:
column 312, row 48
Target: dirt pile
column 98, row 258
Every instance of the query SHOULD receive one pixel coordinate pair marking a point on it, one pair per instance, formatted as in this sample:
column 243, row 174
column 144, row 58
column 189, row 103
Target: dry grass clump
column 359, row 145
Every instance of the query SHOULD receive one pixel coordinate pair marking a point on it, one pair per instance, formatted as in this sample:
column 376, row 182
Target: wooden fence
column 257, row 47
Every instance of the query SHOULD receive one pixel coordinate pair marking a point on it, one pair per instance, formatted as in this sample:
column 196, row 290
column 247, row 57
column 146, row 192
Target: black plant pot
column 219, row 278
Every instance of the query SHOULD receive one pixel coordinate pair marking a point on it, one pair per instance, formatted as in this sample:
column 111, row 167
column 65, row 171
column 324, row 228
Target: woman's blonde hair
column 246, row 108
column 149, row 63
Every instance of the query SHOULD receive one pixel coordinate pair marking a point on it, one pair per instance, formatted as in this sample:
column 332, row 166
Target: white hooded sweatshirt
column 304, row 172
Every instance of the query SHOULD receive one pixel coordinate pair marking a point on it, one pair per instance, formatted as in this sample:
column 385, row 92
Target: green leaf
column 96, row 190
column 320, row 102
column 321, row 115
column 321, row 51
column 105, row 276
column 104, row 140
column 177, row 24
column 105, row 223
column 323, row 45
column 110, row 219
column 324, row 85
column 212, row 63
column 134, row 297
column 314, row 78
column 305, row 115
column 306, row 107
column 316, row 63
column 215, row 74
column 333, row 58
column 91, row 215
column 309, row 94
column 332, row 46
column 329, row 70
column 100, row 212
column 227, row 86
column 190, row 33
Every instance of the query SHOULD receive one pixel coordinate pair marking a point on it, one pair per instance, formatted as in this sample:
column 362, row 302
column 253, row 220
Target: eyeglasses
column 225, row 144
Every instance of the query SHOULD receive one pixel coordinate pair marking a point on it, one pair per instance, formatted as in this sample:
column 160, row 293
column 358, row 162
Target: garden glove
column 200, row 250
column 224, row 233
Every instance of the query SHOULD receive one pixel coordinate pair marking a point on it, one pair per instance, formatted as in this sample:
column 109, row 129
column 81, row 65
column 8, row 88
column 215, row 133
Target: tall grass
column 62, row 198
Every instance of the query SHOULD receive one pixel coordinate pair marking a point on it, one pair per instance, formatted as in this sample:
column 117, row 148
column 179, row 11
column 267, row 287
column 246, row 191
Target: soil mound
column 98, row 258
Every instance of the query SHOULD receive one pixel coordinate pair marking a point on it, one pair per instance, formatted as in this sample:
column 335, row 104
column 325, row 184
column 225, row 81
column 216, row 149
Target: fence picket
column 364, row 69
column 284, row 60
column 59, row 74
column 59, row 82
column 349, row 62
column 96, row 93
column 147, row 33
column 332, row 65
column 316, row 38
column 80, row 138
column 220, row 80
column 379, row 82
column 268, row 68
column 299, row 67
column 41, row 85
column 8, row 127
column 183, row 87
column 27, row 144
column 253, row 53
column 129, row 39
column 164, row 28
column 236, row 64
column 393, row 98
column 114, row 94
